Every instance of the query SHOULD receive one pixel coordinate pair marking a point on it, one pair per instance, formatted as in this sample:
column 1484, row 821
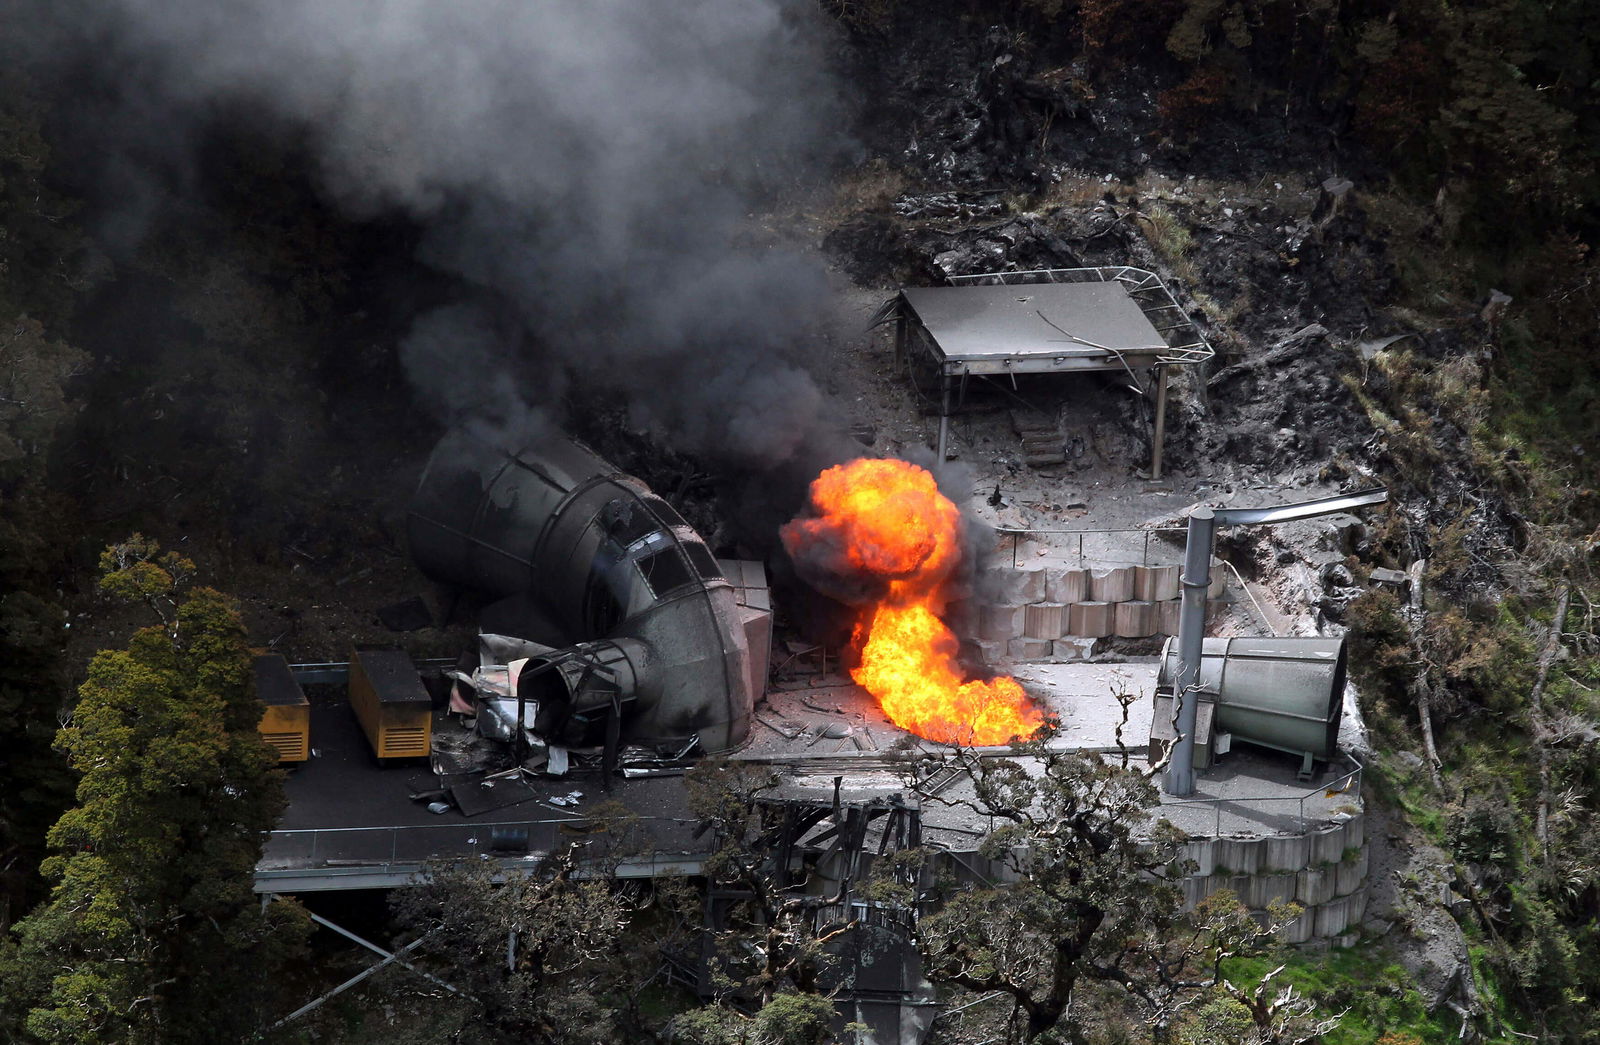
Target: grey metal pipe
column 1196, row 579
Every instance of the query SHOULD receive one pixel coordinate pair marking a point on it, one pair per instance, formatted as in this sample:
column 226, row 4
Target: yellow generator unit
column 391, row 704
column 285, row 712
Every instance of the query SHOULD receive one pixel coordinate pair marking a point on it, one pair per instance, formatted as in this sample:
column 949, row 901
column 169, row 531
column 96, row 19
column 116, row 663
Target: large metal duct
column 633, row 587
column 1286, row 694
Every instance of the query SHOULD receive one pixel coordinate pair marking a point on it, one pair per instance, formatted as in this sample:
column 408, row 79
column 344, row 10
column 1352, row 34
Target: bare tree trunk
column 1547, row 656
column 1422, row 689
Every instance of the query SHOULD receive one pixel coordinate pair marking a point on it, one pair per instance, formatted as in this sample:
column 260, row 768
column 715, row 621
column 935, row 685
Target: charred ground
column 1340, row 238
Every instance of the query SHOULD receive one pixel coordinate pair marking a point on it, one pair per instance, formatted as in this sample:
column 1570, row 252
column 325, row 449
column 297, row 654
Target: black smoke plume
column 584, row 168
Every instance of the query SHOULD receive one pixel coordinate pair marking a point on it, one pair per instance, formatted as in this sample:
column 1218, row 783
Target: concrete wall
column 1053, row 613
column 1323, row 869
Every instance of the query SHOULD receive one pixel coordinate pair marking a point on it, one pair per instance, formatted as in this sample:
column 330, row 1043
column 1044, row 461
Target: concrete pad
column 1084, row 696
column 1044, row 620
column 1092, row 619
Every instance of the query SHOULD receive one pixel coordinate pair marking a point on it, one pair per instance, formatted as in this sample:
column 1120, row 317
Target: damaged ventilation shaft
column 638, row 634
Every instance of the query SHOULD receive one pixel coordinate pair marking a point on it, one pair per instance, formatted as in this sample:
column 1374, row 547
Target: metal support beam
column 351, row 982
column 944, row 421
column 1159, row 437
column 1179, row 778
column 388, row 956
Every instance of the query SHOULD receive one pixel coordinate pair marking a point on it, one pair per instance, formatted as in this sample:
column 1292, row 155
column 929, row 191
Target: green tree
column 152, row 933
column 35, row 785
column 542, row 949
column 778, row 934
column 1088, row 896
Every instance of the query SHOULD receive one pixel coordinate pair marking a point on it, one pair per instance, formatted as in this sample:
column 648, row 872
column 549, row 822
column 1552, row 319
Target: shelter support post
column 1179, row 778
column 944, row 420
column 1158, row 438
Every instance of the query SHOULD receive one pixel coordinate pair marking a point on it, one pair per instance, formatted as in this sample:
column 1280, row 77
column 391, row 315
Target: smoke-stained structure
column 657, row 649
column 584, row 168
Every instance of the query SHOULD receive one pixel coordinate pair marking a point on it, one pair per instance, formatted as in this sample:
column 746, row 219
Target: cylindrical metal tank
column 1281, row 693
column 608, row 560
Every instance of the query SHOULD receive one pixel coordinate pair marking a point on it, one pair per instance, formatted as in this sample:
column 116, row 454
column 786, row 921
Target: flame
column 890, row 522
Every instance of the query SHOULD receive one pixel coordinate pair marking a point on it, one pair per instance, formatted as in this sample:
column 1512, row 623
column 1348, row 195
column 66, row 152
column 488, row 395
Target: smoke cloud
column 583, row 166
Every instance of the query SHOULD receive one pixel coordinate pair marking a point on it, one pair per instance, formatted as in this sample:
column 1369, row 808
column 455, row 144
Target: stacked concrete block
column 1020, row 584
column 1072, row 647
column 1338, row 915
column 1314, row 886
column 1044, row 620
column 1001, row 623
column 1029, row 649
column 1096, row 620
column 962, row 616
column 1328, row 844
column 1266, row 870
column 1301, row 930
column 1350, row 874
column 1261, row 891
column 1355, row 829
column 1202, row 854
column 1239, row 855
column 1145, row 600
column 1136, row 620
column 1066, row 586
column 1155, row 583
column 993, row 652
column 1286, row 852
column 1167, row 616
column 1111, row 584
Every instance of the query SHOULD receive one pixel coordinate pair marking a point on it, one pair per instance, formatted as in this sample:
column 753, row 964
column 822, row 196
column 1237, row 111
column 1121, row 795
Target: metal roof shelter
column 1046, row 321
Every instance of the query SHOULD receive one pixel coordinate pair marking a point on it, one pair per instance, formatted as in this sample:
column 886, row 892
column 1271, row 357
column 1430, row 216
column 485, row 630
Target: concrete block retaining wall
column 1263, row 872
column 1053, row 603
column 1323, row 869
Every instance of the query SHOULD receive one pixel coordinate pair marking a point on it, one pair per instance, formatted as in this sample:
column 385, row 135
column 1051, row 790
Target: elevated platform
column 351, row 823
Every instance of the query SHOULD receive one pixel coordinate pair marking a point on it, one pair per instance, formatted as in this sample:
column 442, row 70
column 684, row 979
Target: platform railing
column 1016, row 533
column 1348, row 785
column 385, row 847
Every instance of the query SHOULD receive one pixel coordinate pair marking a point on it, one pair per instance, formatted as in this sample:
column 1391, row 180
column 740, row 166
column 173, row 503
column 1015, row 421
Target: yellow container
column 286, row 714
column 394, row 710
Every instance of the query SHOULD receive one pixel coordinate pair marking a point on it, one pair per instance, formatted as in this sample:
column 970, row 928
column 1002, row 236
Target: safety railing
column 407, row 845
column 1257, row 812
column 1017, row 533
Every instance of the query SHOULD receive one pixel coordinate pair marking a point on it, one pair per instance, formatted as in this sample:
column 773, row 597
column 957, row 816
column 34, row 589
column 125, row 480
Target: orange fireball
column 891, row 523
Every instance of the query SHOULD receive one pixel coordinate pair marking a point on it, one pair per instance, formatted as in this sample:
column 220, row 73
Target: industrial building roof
column 1039, row 327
